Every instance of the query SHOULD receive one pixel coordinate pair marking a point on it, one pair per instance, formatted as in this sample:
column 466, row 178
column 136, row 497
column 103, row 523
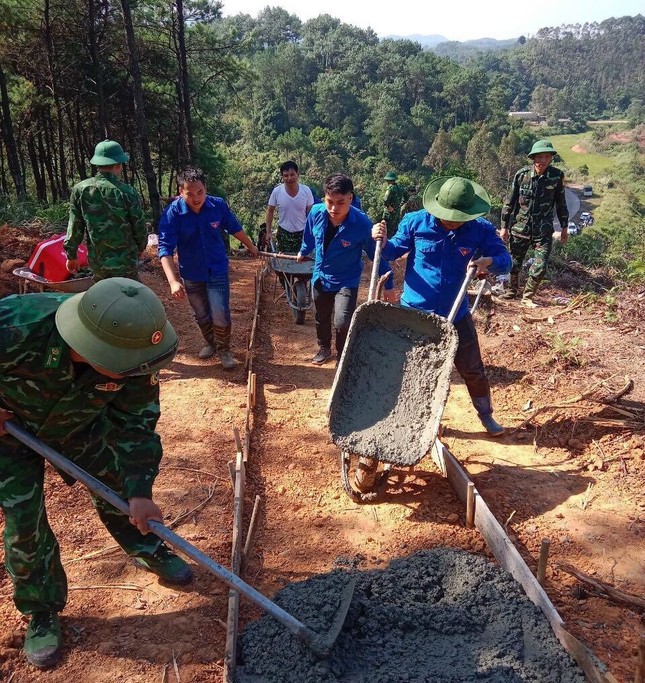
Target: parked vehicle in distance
column 586, row 219
column 587, row 191
column 573, row 229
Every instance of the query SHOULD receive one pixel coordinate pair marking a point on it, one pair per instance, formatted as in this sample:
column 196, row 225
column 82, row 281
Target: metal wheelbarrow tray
column 392, row 383
column 296, row 278
column 72, row 286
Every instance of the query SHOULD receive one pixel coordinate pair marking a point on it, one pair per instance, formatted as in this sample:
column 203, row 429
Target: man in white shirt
column 293, row 201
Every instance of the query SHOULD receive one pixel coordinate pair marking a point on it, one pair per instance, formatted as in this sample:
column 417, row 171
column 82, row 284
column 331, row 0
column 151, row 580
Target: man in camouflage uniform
column 528, row 215
column 413, row 203
column 80, row 372
column 395, row 195
column 108, row 213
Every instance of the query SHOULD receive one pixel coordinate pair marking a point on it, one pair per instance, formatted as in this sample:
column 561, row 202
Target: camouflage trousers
column 518, row 246
column 288, row 242
column 32, row 554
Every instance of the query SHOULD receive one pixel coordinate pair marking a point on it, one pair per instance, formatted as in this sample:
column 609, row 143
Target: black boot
column 484, row 407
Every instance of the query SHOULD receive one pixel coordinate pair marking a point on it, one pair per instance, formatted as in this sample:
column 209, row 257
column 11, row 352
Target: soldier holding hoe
column 81, row 373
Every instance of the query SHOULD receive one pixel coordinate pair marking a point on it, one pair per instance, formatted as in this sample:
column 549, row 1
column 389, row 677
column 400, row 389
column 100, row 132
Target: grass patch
column 596, row 163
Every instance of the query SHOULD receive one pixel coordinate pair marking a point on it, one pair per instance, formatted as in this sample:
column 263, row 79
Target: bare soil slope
column 573, row 474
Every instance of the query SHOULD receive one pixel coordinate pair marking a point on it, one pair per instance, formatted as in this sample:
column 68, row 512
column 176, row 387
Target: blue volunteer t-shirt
column 198, row 237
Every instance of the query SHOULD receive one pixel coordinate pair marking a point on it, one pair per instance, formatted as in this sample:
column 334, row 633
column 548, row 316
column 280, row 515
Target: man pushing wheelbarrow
column 445, row 240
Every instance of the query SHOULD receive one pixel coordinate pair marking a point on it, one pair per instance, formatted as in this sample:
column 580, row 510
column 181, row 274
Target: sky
column 456, row 20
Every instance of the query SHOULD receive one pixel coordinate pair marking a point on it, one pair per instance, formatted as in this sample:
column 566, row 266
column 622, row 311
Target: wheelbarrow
column 391, row 385
column 28, row 278
column 296, row 277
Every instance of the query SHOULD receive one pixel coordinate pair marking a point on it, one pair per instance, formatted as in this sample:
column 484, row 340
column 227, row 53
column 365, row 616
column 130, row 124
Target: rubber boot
column 43, row 640
column 209, row 338
column 484, row 407
column 530, row 290
column 223, row 340
column 513, row 287
column 170, row 568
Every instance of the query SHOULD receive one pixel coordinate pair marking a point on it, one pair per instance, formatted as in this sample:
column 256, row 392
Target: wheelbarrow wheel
column 300, row 296
column 379, row 480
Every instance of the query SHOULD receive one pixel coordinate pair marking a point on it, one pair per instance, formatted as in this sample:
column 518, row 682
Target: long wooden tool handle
column 470, row 274
column 374, row 279
column 100, row 489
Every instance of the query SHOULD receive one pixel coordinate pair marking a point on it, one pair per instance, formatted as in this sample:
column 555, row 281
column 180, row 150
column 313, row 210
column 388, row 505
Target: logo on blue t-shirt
column 345, row 243
column 464, row 251
column 215, row 224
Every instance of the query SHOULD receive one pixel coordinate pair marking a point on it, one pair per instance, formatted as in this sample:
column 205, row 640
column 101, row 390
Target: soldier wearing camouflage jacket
column 527, row 217
column 101, row 419
column 394, row 197
column 107, row 213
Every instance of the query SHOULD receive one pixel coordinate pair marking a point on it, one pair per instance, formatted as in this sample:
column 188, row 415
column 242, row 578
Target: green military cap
column 542, row 146
column 456, row 199
column 119, row 325
column 390, row 175
column 108, row 153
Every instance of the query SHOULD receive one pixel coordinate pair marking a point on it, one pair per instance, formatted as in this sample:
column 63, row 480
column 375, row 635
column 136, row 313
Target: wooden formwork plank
column 230, row 652
column 509, row 558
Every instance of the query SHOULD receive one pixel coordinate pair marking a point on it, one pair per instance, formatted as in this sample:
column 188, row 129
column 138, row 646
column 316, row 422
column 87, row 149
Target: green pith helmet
column 108, row 153
column 390, row 175
column 456, row 199
column 120, row 325
column 542, row 146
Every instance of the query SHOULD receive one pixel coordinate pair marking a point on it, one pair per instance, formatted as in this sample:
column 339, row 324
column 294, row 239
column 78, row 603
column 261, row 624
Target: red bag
column 48, row 259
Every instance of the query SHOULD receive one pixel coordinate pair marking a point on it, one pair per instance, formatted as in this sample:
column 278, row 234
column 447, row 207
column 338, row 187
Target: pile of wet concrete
column 440, row 616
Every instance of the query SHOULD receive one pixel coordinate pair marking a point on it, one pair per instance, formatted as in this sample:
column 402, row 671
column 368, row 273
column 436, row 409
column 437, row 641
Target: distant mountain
column 470, row 48
column 426, row 41
column 450, row 48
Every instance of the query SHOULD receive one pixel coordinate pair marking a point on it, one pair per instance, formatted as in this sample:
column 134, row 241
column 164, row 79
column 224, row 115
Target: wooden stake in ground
column 640, row 665
column 544, row 558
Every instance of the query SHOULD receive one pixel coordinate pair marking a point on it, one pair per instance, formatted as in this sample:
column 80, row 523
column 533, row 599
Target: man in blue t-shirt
column 194, row 224
column 338, row 233
column 442, row 241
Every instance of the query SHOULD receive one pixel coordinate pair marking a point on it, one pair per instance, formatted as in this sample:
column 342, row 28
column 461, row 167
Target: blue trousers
column 210, row 300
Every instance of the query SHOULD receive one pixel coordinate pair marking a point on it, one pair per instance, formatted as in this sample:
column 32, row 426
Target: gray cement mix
column 439, row 616
column 393, row 385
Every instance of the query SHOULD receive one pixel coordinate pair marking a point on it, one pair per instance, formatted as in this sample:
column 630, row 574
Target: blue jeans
column 210, row 300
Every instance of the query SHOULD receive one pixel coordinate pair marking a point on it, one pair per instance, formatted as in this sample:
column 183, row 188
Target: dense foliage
column 239, row 95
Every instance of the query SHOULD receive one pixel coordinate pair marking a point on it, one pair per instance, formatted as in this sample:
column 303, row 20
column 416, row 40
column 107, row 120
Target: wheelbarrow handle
column 231, row 580
column 470, row 274
column 288, row 257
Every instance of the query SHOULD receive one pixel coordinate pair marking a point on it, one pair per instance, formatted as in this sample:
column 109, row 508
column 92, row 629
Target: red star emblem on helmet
column 157, row 336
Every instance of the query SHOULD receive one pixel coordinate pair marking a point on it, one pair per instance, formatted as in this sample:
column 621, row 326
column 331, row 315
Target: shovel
column 321, row 645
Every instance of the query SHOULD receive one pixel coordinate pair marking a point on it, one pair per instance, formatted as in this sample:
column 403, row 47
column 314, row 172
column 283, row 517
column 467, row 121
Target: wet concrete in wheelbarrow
column 438, row 616
column 389, row 399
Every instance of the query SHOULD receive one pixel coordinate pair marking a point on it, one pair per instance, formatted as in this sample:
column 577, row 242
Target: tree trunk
column 184, row 113
column 6, row 130
column 53, row 70
column 45, row 157
column 97, row 68
column 77, row 151
column 41, row 187
column 4, row 188
column 140, row 115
